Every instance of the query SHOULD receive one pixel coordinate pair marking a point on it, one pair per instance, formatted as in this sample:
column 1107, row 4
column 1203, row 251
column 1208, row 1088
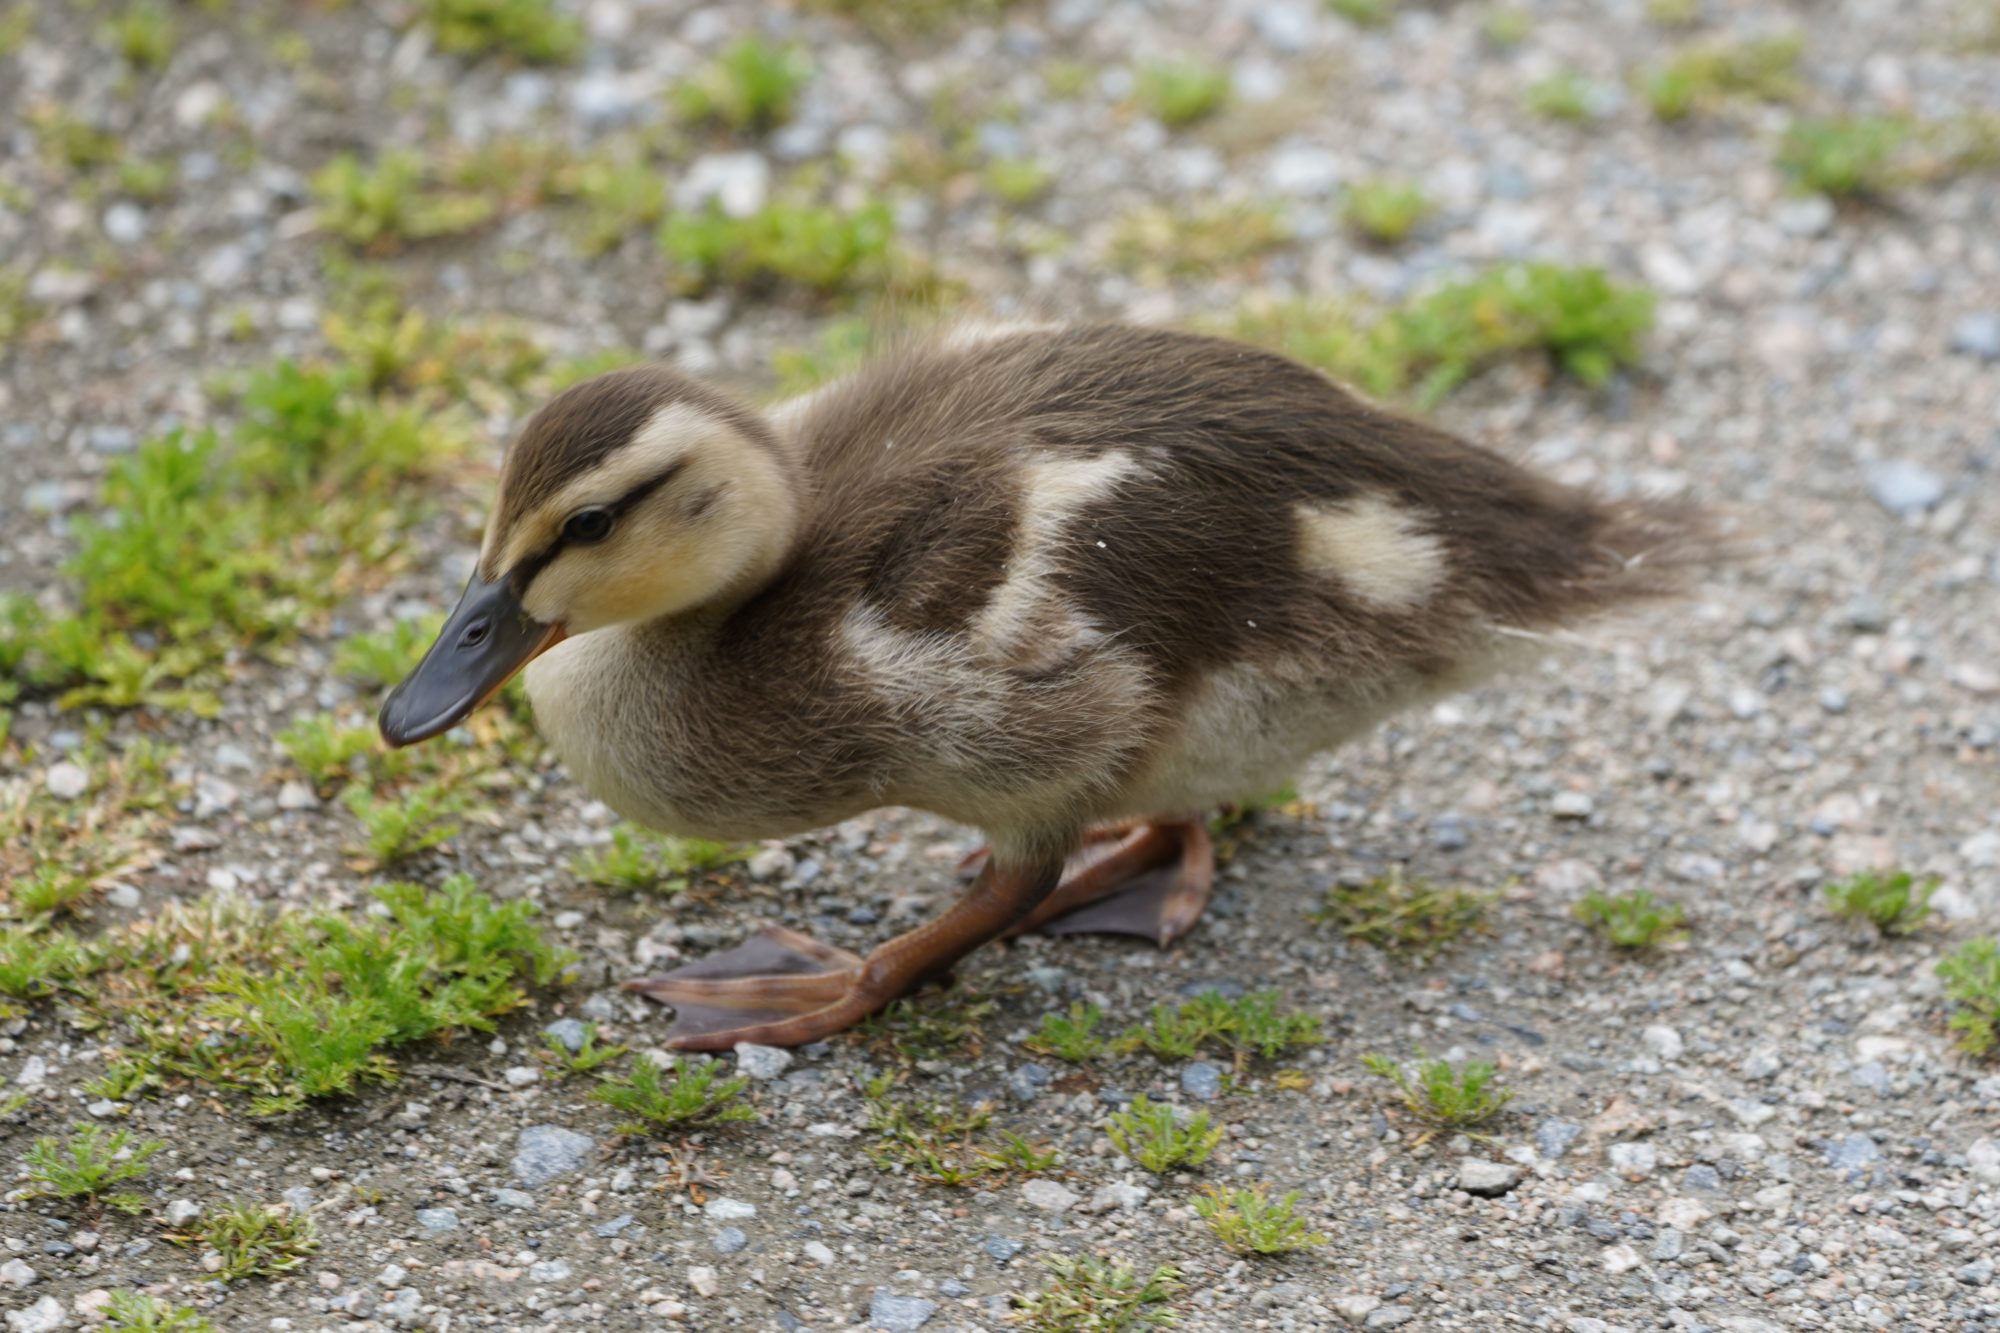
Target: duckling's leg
column 781, row 988
column 1150, row 880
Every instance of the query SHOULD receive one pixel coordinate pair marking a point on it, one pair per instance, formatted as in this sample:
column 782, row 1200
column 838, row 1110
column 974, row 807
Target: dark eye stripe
column 527, row 567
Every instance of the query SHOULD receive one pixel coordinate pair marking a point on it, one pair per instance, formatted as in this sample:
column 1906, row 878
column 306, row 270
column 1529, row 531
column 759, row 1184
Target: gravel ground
column 1763, row 1127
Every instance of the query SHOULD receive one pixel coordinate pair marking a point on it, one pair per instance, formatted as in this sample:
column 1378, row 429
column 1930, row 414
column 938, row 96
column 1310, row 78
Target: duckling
column 1075, row 585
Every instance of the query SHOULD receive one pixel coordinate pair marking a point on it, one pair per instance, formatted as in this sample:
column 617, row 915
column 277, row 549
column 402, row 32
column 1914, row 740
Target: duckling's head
column 628, row 497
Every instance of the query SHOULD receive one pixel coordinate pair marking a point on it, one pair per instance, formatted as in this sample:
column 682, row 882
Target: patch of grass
column 1673, row 13
column 1632, row 920
column 535, row 31
column 1365, row 13
column 942, row 1143
column 144, row 34
column 839, row 347
column 254, row 1240
column 586, row 1058
column 324, row 748
column 1846, row 157
column 697, row 1095
column 69, row 140
column 899, row 21
column 1894, row 902
column 1072, row 1036
column 1150, row 1134
column 89, row 1165
column 17, row 312
column 1250, row 1221
column 384, row 205
column 750, row 88
column 48, row 890
column 1971, row 975
column 1586, row 323
column 404, row 823
column 1506, row 26
column 318, row 1013
column 616, row 195
column 208, row 545
column 929, row 1027
column 1086, row 1294
column 130, row 1311
column 1566, row 96
column 1180, row 93
column 17, row 24
column 1443, row 1097
column 816, row 248
column 1017, row 181
column 1706, row 77
column 637, row 859
column 35, row 963
column 1386, row 210
column 378, row 660
column 1399, row 915
column 1161, row 243
column 1252, row 1025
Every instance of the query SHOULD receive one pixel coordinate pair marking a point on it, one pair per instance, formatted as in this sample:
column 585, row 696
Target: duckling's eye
column 587, row 526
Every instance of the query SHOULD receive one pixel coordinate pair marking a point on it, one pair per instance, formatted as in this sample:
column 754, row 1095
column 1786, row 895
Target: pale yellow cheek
column 1374, row 548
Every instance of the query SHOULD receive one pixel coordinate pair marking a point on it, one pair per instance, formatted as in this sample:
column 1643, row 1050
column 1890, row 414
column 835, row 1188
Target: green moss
column 1634, row 920
column 816, row 248
column 1180, row 93
column 144, row 34
column 1086, row 1294
column 90, row 1165
column 1971, row 976
column 1706, row 77
column 1017, row 182
column 1250, row 1025
column 636, row 859
column 1153, row 1136
column 131, row 1311
column 1386, row 210
column 386, row 204
column 1585, row 322
column 1072, row 1036
column 535, row 31
column 1566, row 96
column 1401, row 915
column 254, row 1240
column 1444, row 1097
column 697, row 1094
column 1196, row 242
column 1894, row 902
column 1847, row 157
column 751, row 88
column 1366, row 13
column 1250, row 1221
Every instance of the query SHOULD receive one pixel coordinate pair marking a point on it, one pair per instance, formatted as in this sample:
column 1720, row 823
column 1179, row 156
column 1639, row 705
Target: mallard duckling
column 1074, row 585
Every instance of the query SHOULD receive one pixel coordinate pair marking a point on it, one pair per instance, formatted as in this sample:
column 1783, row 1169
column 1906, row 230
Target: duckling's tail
column 1582, row 556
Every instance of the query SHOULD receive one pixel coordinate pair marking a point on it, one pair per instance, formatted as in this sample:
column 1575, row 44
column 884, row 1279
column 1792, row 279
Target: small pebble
column 898, row 1314
column 437, row 1219
column 729, row 1240
column 1201, row 1081
column 66, row 781
column 761, row 1063
column 1487, row 1179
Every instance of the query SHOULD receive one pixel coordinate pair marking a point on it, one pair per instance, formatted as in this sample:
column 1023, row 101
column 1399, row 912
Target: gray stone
column 1634, row 1161
column 1852, row 1152
column 729, row 1240
column 728, row 1210
column 568, row 1033
column 1117, row 1196
column 761, row 1063
column 550, row 1270
column 44, row 1316
column 1478, row 1176
column 519, row 1200
column 606, row 1230
column 1977, row 1273
column 15, row 1273
column 1201, row 1081
column 1572, row 805
column 66, row 781
column 1553, row 1137
column 1026, row 1083
column 437, row 1219
column 1354, row 1309
column 1048, row 1197
column 1978, row 335
column 1000, row 1248
column 1903, row 487
column 898, row 1314
column 181, row 1212
column 1389, row 1316
column 299, row 1199
column 548, row 1151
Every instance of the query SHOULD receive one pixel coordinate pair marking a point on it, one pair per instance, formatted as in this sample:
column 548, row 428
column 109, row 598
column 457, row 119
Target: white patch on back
column 1022, row 622
column 1379, row 550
